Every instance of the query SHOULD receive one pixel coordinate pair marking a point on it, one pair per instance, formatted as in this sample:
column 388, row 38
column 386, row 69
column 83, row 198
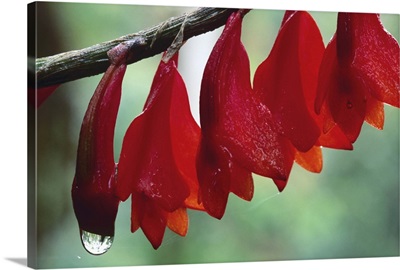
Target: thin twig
column 93, row 60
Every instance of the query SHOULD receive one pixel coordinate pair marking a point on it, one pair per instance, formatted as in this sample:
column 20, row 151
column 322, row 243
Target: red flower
column 157, row 162
column 93, row 188
column 286, row 82
column 282, row 78
column 359, row 72
column 239, row 134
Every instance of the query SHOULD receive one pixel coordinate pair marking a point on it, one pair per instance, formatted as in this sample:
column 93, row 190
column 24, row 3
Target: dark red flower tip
column 36, row 97
column 94, row 202
column 285, row 76
column 95, row 208
column 157, row 159
column 359, row 70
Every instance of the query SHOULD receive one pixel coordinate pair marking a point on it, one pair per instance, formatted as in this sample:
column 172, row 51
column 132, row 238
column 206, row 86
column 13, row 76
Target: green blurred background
column 349, row 210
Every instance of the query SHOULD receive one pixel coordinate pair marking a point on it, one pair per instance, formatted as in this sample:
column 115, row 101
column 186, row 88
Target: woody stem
column 93, row 60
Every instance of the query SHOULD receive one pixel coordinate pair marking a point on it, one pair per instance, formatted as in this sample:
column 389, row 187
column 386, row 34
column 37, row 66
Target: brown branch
column 73, row 65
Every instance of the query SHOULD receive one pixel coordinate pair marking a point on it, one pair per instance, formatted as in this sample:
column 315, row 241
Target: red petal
column 228, row 105
column 157, row 162
column 335, row 138
column 310, row 160
column 345, row 96
column 96, row 139
column 239, row 135
column 251, row 136
column 241, row 182
column 155, row 171
column 360, row 63
column 332, row 136
column 137, row 211
column 178, row 221
column 327, row 76
column 281, row 79
column 130, row 158
column 375, row 113
column 348, row 104
column 218, row 175
column 153, row 220
column 214, row 178
column 185, row 138
column 311, row 51
column 376, row 56
column 280, row 184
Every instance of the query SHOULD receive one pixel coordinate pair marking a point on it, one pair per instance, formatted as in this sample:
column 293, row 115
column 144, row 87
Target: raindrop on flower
column 96, row 244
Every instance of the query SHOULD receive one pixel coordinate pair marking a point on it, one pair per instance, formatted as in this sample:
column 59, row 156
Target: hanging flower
column 93, row 188
column 286, row 82
column 239, row 134
column 359, row 72
column 157, row 161
column 281, row 79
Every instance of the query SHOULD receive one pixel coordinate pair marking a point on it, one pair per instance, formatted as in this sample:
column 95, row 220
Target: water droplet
column 96, row 244
column 349, row 105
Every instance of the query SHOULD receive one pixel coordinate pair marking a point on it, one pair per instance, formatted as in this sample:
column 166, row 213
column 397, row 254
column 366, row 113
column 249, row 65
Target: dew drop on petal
column 349, row 105
column 96, row 244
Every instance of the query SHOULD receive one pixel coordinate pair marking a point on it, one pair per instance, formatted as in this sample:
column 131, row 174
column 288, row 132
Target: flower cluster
column 303, row 97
